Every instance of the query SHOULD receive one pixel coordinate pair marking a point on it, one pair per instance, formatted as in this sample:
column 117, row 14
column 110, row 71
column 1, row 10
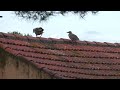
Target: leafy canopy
column 44, row 15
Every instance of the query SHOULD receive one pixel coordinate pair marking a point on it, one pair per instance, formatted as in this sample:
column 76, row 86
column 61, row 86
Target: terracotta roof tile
column 110, row 44
column 20, row 37
column 82, row 42
column 65, row 59
column 101, row 44
column 117, row 44
column 6, row 35
column 1, row 35
column 32, row 39
column 90, row 43
column 55, row 41
column 45, row 40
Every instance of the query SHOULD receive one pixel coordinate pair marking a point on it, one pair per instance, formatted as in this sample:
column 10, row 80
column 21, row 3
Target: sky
column 102, row 27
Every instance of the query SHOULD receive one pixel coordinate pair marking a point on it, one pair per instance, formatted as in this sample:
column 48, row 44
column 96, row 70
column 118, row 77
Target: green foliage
column 28, row 35
column 16, row 32
column 44, row 15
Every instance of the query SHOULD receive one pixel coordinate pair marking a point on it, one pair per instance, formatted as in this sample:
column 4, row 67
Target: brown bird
column 38, row 31
column 72, row 36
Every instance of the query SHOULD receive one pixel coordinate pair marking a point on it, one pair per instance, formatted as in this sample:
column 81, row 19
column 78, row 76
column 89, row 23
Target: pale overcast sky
column 102, row 27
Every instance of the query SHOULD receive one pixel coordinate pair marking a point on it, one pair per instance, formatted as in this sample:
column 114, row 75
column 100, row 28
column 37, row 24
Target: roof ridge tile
column 45, row 40
column 7, row 35
column 19, row 37
column 33, row 39
column 100, row 43
column 90, row 43
column 110, row 44
column 55, row 40
column 82, row 42
column 1, row 35
column 117, row 44
column 67, row 41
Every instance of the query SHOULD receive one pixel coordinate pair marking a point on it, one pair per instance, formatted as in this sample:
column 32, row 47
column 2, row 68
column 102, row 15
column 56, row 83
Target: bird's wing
column 74, row 37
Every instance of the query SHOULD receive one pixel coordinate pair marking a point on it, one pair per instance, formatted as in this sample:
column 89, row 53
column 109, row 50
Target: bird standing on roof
column 38, row 31
column 72, row 36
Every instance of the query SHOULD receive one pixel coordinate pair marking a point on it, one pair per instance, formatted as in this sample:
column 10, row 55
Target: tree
column 44, row 15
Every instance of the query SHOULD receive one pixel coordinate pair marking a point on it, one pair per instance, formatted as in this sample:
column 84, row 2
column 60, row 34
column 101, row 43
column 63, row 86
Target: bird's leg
column 40, row 35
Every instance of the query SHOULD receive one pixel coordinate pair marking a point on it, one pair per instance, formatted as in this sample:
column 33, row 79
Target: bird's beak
column 67, row 32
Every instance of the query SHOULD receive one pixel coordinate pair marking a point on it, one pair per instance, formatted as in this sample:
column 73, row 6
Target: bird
column 72, row 36
column 38, row 31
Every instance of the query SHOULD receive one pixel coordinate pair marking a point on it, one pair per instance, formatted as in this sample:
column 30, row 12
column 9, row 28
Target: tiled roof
column 65, row 59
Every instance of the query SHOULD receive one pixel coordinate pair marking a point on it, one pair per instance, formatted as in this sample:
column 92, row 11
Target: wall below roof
column 12, row 68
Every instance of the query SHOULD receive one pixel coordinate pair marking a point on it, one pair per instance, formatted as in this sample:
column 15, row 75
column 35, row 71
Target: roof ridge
column 56, row 41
